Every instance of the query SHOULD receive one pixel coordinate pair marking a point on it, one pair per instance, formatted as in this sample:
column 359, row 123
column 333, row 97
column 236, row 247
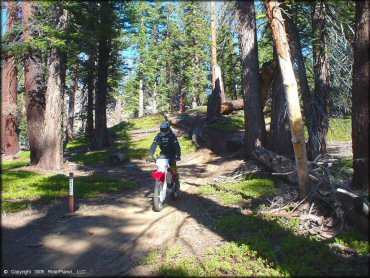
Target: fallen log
column 117, row 158
column 279, row 164
column 235, row 142
column 197, row 137
column 230, row 106
column 355, row 210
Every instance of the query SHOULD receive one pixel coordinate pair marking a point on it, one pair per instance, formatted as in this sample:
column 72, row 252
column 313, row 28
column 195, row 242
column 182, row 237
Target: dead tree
column 291, row 95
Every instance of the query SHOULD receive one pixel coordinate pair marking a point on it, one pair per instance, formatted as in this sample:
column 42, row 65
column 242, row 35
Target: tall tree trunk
column 215, row 75
column 155, row 95
column 35, row 89
column 291, row 95
column 9, row 136
column 297, row 56
column 280, row 140
column 182, row 97
column 52, row 155
column 141, row 98
column 320, row 121
column 71, row 105
column 213, row 41
column 100, row 139
column 360, row 98
column 90, row 97
column 118, row 112
column 253, row 111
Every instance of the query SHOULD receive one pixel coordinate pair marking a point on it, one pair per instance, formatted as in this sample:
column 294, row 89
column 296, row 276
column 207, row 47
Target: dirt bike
column 164, row 182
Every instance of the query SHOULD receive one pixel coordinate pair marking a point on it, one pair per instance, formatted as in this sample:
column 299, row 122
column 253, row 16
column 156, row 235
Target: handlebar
column 154, row 159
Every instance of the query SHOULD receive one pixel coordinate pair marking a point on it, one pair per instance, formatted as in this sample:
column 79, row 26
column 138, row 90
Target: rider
column 169, row 146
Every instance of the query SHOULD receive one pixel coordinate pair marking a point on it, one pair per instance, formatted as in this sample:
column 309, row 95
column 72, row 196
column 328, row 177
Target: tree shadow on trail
column 290, row 253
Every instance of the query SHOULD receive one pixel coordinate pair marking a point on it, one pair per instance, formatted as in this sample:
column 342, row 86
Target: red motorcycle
column 164, row 182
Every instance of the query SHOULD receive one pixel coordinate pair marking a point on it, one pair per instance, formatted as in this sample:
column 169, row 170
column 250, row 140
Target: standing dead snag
column 291, row 94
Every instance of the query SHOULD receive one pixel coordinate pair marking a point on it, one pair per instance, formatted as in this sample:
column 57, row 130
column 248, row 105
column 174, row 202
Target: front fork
column 163, row 193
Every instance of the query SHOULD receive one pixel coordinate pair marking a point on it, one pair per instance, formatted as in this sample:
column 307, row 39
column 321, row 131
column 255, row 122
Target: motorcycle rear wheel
column 158, row 187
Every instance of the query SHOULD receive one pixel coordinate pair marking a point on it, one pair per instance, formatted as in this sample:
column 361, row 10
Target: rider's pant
column 173, row 167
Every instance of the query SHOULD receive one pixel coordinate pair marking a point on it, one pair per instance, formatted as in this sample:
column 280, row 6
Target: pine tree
column 253, row 110
column 360, row 99
column 9, row 136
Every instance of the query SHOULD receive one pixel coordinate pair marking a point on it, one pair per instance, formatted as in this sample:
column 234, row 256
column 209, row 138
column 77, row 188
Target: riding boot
column 177, row 182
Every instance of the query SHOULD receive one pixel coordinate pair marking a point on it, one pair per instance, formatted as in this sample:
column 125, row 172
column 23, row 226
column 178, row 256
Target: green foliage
column 231, row 259
column 207, row 189
column 229, row 198
column 7, row 165
column 253, row 187
column 172, row 253
column 231, row 123
column 26, row 186
column 93, row 157
column 136, row 149
column 151, row 258
column 228, row 49
column 147, row 122
column 340, row 129
column 250, row 186
column 352, row 240
column 202, row 109
column 77, row 143
column 23, row 160
column 275, row 242
column 171, row 43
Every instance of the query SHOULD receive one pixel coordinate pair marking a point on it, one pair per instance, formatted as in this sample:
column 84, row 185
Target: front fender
column 157, row 175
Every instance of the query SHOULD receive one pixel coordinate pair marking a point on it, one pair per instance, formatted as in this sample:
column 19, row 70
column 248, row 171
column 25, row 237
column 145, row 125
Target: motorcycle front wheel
column 158, row 187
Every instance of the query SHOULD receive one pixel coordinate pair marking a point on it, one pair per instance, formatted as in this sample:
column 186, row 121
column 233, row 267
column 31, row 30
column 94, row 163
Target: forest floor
column 110, row 235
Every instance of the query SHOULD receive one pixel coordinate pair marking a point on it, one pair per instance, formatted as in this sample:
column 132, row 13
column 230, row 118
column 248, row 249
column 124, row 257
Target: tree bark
column 320, row 121
column 155, row 96
column 291, row 95
column 71, row 106
column 215, row 73
column 100, row 139
column 214, row 103
column 297, row 56
column 141, row 99
column 52, row 155
column 231, row 106
column 268, row 71
column 253, row 111
column 182, row 97
column 360, row 98
column 9, row 125
column 35, row 90
column 280, row 140
column 90, row 97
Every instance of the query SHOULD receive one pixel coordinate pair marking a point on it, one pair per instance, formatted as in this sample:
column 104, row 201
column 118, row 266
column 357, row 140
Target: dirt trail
column 110, row 234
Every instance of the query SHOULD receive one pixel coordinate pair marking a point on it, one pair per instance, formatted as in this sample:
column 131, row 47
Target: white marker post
column 71, row 198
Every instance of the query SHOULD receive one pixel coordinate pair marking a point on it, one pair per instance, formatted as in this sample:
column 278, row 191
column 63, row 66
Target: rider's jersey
column 168, row 145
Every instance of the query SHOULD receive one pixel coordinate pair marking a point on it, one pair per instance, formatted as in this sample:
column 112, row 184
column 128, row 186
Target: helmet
column 165, row 128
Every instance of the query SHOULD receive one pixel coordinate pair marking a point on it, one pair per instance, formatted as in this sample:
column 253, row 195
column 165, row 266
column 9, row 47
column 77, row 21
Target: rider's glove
column 150, row 159
column 178, row 158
